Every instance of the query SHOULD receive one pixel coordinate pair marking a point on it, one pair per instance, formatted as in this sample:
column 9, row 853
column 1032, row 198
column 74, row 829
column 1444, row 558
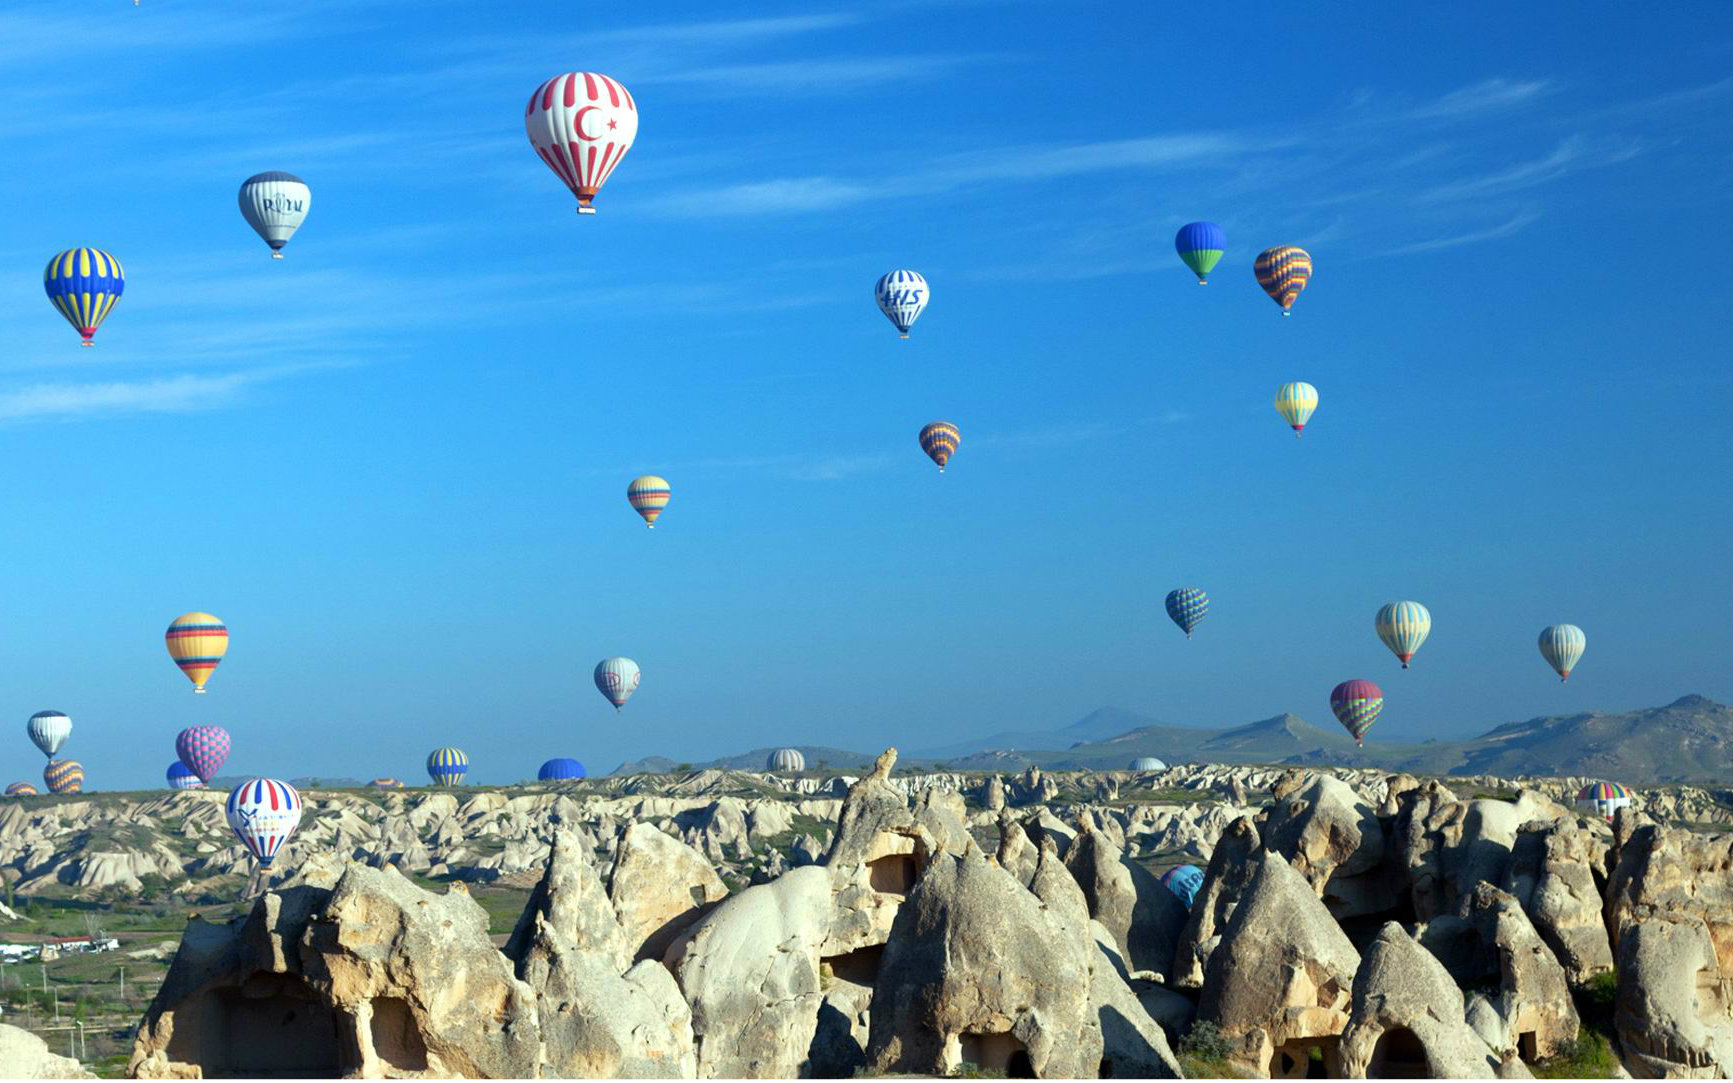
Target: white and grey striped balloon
column 275, row 204
column 1562, row 646
column 785, row 759
column 49, row 730
column 617, row 678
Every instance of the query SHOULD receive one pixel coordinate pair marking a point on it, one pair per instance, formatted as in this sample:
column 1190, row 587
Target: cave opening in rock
column 893, row 874
column 860, row 966
column 1527, row 1047
column 1307, row 1058
column 271, row 1026
column 1001, row 1053
column 396, row 1038
column 1399, row 1054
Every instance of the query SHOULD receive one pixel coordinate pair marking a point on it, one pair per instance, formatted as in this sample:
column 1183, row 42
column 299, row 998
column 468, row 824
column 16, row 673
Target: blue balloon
column 561, row 770
column 1186, row 606
column 1184, row 881
column 1201, row 245
column 181, row 777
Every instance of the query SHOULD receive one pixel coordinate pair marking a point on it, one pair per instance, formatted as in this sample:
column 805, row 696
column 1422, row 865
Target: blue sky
column 395, row 462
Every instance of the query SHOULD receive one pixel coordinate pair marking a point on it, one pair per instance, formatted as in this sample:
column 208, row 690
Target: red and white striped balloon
column 582, row 124
column 263, row 813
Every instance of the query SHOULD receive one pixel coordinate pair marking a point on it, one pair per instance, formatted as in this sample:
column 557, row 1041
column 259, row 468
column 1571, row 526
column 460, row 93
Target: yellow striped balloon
column 1283, row 272
column 197, row 642
column 1295, row 402
column 648, row 495
column 83, row 284
column 63, row 776
column 940, row 441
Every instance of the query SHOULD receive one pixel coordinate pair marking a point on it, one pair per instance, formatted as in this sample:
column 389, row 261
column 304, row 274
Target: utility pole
column 123, row 985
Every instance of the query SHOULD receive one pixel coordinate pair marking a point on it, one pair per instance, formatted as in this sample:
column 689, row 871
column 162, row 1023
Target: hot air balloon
column 63, row 776
column 902, row 295
column 263, row 813
column 1147, row 763
column 939, row 440
column 49, row 730
column 1184, row 881
column 1186, row 607
column 447, row 766
column 1403, row 626
column 1295, row 402
column 1356, row 704
column 385, row 784
column 1603, row 798
column 21, row 789
column 648, row 495
column 275, row 204
column 84, row 284
column 1282, row 272
column 617, row 679
column 181, row 777
column 203, row 749
column 197, row 642
column 582, row 124
column 1562, row 646
column 785, row 759
column 562, row 769
column 1200, row 245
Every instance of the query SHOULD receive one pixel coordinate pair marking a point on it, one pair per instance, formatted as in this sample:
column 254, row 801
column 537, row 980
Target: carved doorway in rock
column 1399, row 1054
column 271, row 1026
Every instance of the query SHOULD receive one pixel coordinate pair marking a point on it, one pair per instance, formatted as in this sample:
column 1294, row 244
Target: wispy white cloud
column 1573, row 153
column 1488, row 95
column 814, row 75
column 1516, row 223
column 181, row 394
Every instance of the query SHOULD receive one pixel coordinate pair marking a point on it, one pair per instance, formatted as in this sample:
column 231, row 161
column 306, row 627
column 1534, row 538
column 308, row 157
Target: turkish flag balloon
column 582, row 124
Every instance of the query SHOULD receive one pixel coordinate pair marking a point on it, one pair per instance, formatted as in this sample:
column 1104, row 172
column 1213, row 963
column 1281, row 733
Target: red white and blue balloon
column 263, row 813
column 582, row 124
column 902, row 297
column 203, row 749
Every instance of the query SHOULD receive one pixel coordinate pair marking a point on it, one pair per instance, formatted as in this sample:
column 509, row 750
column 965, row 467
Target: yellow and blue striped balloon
column 1403, row 626
column 1283, row 272
column 63, row 776
column 83, row 284
column 1295, row 402
column 447, row 766
column 940, row 441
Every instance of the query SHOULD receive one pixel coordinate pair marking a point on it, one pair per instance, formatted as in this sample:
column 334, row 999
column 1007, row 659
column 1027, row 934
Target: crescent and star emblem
column 578, row 124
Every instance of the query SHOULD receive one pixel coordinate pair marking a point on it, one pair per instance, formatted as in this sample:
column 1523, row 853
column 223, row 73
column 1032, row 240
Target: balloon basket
column 87, row 344
column 198, row 691
column 903, row 336
column 586, row 210
column 276, row 254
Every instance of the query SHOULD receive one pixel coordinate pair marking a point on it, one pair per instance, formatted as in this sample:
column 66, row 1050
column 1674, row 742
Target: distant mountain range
column 1688, row 740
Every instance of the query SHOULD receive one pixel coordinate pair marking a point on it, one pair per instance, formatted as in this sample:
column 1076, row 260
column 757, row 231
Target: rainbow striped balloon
column 263, row 813
column 83, row 284
column 447, row 766
column 1603, row 798
column 1186, row 607
column 1356, row 705
column 940, row 440
column 21, row 789
column 1283, row 272
column 63, row 776
column 385, row 784
column 1295, row 402
column 197, row 643
column 648, row 495
column 1403, row 626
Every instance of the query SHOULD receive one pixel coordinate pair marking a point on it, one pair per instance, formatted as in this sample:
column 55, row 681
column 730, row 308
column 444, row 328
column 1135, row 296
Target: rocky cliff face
column 1350, row 923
